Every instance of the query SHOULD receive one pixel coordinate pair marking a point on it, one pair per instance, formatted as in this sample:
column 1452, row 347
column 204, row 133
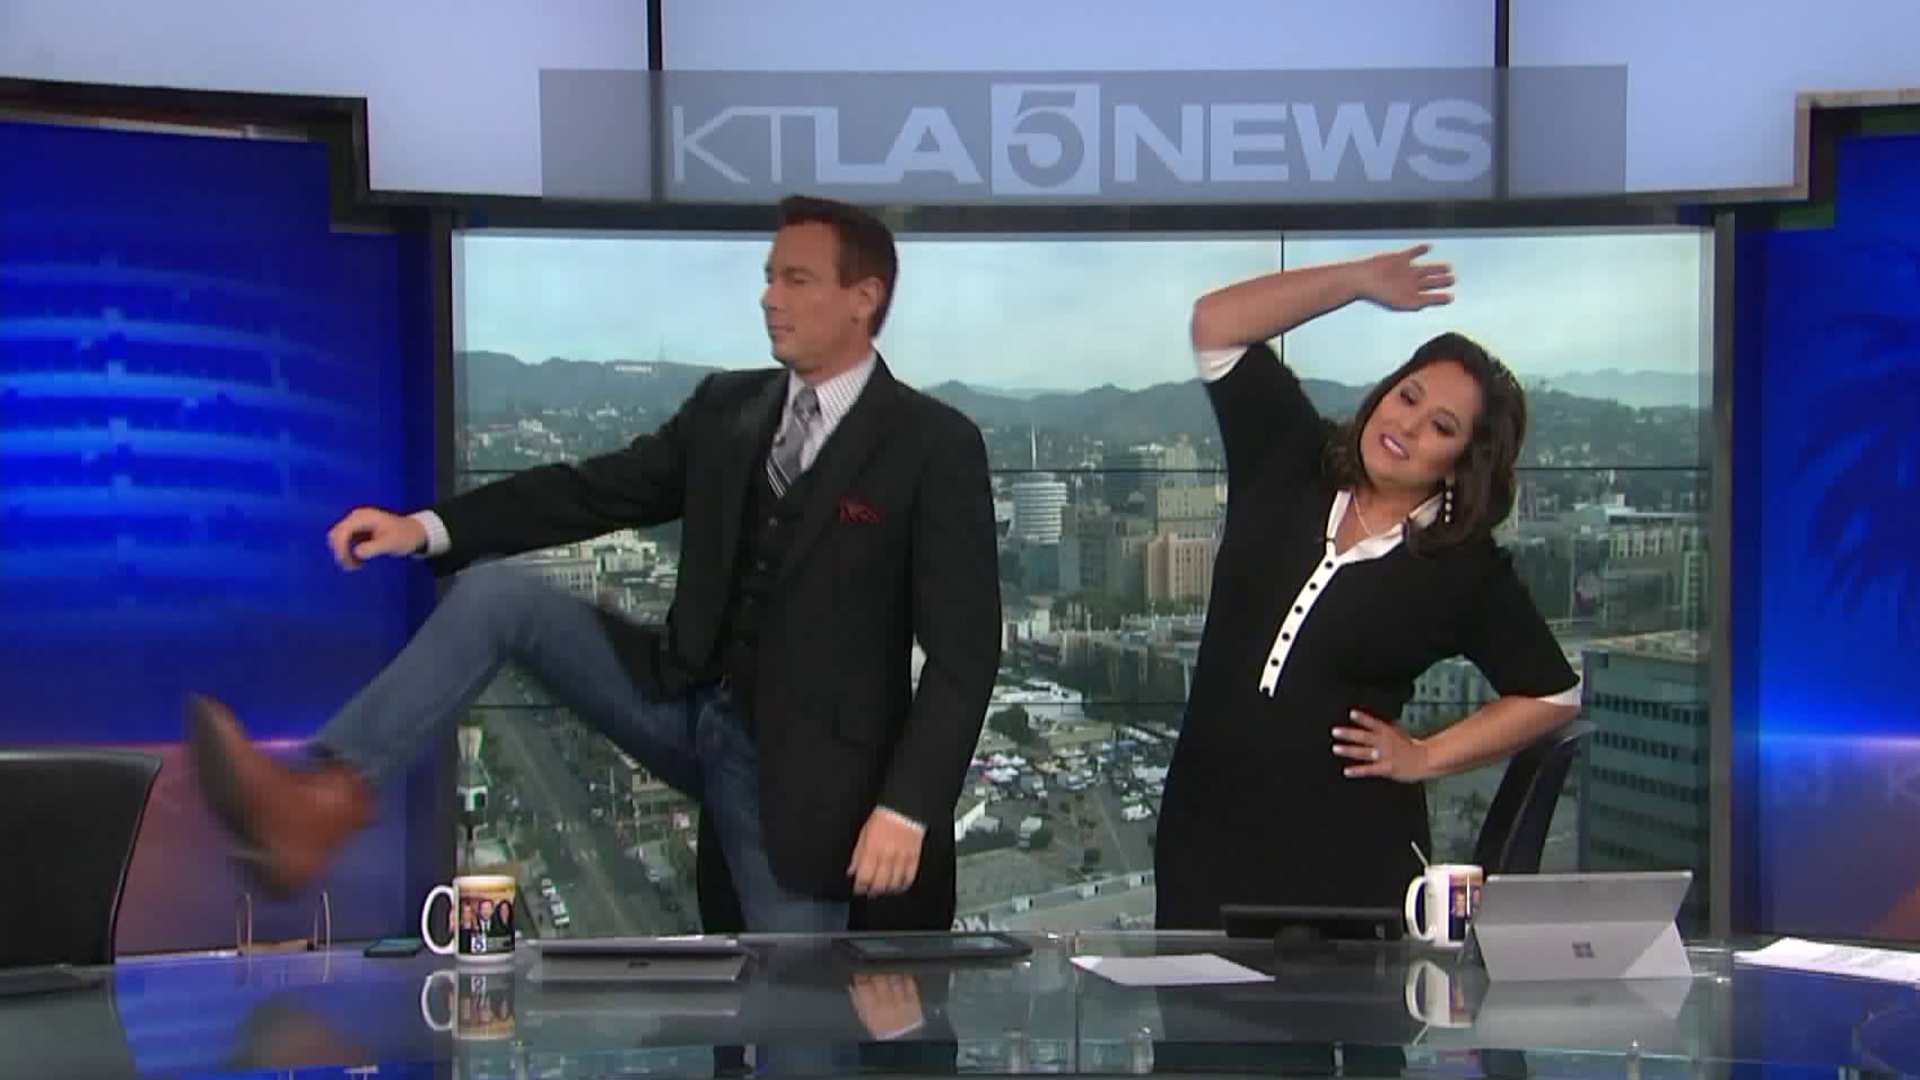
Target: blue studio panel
column 200, row 377
column 197, row 376
column 1826, row 641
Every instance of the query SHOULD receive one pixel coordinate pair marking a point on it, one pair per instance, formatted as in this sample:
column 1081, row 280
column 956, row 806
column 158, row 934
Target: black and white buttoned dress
column 1257, row 809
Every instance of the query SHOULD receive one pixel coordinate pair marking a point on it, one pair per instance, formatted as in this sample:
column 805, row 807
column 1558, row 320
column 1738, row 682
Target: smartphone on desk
column 394, row 948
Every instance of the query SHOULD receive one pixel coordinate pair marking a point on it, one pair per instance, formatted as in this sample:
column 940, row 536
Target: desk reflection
column 478, row 1004
column 78, row 1034
column 804, row 1008
column 1359, row 1008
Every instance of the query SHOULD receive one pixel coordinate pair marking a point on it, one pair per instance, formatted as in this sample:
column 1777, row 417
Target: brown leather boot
column 292, row 822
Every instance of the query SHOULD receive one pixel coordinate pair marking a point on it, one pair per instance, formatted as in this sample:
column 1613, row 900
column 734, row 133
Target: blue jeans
column 694, row 744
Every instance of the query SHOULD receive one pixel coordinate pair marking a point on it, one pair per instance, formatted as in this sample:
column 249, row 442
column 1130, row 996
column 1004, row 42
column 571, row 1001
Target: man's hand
column 887, row 857
column 367, row 533
column 1394, row 280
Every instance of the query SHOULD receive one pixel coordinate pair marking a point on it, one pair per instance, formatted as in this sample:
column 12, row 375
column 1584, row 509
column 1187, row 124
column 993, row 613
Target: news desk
column 803, row 1008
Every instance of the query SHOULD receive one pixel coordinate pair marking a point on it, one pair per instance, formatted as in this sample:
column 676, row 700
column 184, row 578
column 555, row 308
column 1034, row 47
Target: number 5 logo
column 1046, row 139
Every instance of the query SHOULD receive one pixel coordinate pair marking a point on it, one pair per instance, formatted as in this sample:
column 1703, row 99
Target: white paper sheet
column 1200, row 969
column 1795, row 954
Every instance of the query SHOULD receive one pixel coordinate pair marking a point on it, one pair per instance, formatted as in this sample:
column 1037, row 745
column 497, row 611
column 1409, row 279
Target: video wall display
column 1072, row 355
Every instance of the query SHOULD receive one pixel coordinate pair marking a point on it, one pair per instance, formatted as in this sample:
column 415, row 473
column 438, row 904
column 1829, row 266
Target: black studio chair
column 1515, row 830
column 68, row 821
column 1514, row 836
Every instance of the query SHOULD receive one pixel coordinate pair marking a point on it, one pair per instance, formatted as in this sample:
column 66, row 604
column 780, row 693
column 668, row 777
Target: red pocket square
column 852, row 509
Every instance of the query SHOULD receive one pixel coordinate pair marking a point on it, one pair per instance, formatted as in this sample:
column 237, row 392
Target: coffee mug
column 1435, row 997
column 479, row 915
column 1447, row 894
column 479, row 1008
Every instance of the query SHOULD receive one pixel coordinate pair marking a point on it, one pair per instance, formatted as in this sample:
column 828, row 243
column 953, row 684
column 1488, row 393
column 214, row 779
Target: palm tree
column 1861, row 433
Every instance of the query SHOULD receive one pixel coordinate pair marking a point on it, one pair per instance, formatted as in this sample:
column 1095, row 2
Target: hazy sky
column 1069, row 313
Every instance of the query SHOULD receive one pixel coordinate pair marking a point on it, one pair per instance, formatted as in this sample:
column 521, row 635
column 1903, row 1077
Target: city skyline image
column 1071, row 356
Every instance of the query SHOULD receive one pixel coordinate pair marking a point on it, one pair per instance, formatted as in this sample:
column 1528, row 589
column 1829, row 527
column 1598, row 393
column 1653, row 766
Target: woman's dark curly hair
column 1486, row 478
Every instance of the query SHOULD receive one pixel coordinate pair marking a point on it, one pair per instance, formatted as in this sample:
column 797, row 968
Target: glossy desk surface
column 803, row 1008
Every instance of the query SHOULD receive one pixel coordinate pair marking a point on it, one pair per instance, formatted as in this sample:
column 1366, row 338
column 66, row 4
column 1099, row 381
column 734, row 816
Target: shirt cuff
column 888, row 1036
column 903, row 819
column 1569, row 696
column 1214, row 364
column 437, row 539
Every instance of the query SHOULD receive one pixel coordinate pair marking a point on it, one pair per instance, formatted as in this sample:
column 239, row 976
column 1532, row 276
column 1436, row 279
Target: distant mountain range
column 1017, row 393
column 1155, row 414
column 496, row 384
column 1597, row 410
column 1639, row 389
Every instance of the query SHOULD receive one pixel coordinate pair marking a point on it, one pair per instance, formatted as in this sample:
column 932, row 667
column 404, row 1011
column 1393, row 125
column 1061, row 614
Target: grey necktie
column 783, row 465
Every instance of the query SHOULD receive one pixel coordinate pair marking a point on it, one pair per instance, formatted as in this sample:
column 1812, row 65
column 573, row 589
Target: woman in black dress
column 1354, row 558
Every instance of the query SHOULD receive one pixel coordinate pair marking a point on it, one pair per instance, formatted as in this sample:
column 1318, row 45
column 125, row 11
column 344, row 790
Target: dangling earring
column 1446, row 506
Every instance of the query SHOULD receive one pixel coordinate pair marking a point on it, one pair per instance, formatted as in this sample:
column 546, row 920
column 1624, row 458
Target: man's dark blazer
column 930, row 904
column 895, row 543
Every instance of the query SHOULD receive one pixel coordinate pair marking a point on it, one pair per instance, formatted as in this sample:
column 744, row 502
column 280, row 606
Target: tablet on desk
column 1615, row 925
column 694, row 960
column 914, row 948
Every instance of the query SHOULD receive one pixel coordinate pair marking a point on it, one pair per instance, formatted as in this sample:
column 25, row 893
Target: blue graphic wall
column 197, row 376
column 1825, row 644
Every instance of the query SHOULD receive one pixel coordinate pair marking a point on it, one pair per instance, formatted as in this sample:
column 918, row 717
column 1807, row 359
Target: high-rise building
column 1179, row 568
column 1632, row 535
column 1039, row 505
column 1185, row 505
column 1654, row 578
column 1040, row 566
column 1083, row 548
column 1693, row 590
column 1134, row 472
column 1644, row 787
column 1125, row 556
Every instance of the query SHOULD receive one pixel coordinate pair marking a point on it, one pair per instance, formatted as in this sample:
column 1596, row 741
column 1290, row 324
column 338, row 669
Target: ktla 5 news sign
column 1117, row 137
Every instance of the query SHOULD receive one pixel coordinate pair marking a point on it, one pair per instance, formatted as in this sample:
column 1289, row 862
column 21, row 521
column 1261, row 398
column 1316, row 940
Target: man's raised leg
column 294, row 821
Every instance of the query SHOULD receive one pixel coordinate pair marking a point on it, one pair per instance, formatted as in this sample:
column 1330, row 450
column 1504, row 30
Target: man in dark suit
column 831, row 517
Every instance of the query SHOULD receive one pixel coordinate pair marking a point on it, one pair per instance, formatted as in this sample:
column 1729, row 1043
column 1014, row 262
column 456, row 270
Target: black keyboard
column 22, row 982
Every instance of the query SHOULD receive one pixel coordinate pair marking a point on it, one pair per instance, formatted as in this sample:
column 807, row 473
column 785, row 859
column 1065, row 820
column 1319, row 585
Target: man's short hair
column 865, row 245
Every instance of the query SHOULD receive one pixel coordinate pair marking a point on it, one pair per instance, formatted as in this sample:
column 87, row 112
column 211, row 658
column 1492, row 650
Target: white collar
column 1377, row 544
column 836, row 395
